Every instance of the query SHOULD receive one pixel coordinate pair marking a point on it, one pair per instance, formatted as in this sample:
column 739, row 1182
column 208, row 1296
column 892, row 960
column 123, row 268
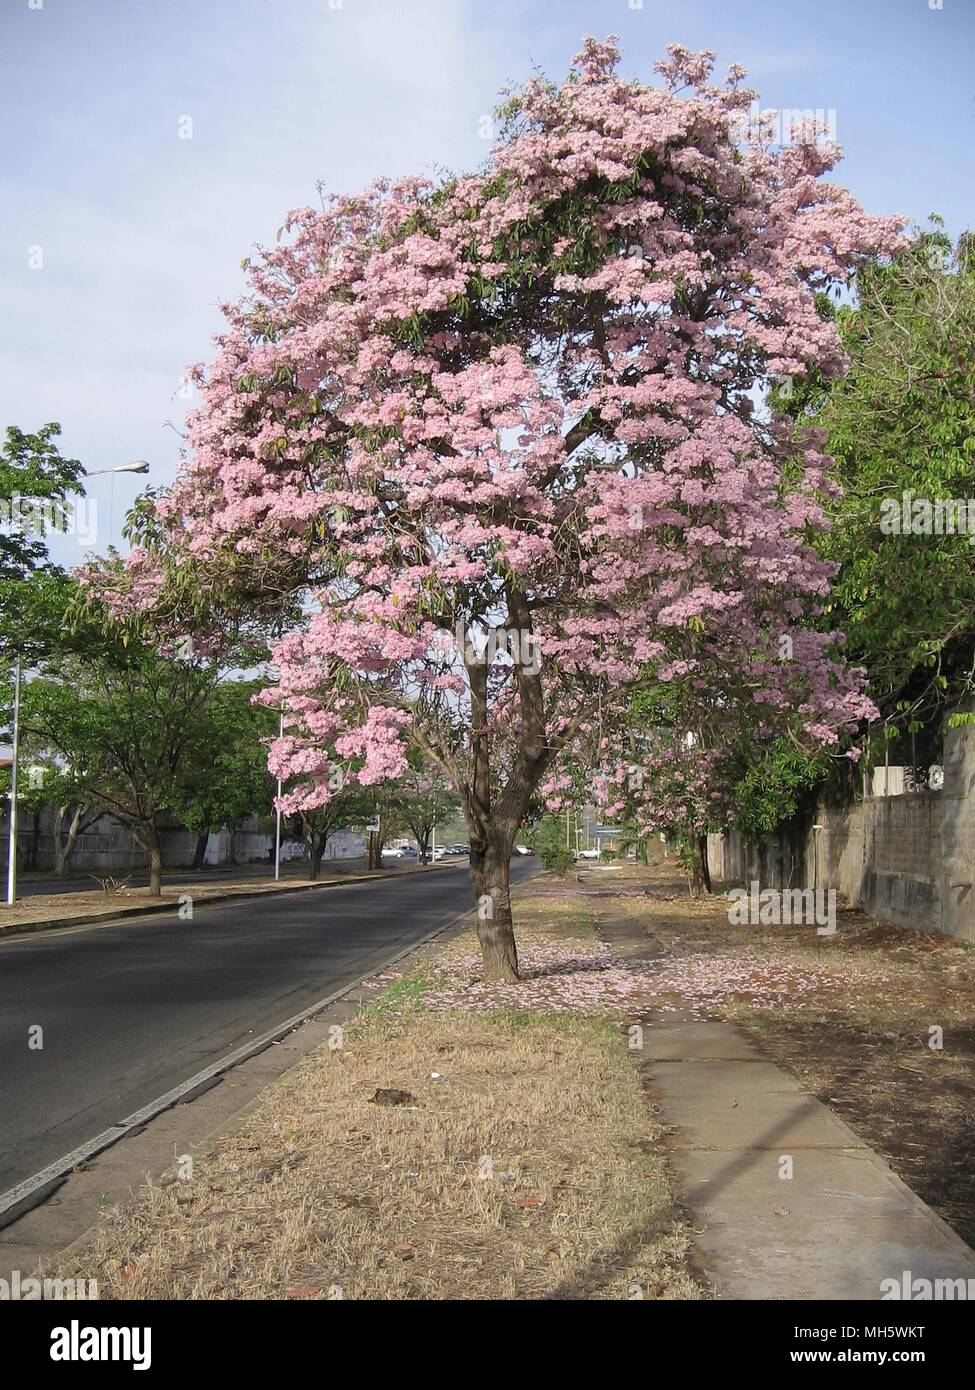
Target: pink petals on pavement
column 592, row 979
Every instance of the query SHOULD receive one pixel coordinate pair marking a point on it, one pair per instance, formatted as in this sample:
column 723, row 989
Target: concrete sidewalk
column 787, row 1202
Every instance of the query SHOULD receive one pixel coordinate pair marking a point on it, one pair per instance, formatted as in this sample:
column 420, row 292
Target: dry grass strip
column 521, row 1163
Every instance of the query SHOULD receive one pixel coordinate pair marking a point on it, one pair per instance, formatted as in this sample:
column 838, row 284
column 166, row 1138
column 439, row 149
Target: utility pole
column 277, row 819
column 12, row 831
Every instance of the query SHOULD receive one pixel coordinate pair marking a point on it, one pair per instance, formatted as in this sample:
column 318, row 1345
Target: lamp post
column 136, row 466
column 277, row 818
column 273, row 673
column 12, row 829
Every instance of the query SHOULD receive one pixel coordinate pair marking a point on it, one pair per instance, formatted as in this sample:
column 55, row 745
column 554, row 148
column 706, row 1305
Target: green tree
column 36, row 485
column 222, row 777
column 547, row 839
column 124, row 722
column 428, row 800
column 774, row 789
column 45, row 781
column 901, row 427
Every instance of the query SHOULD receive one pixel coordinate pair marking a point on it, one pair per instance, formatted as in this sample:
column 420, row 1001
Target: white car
column 393, row 852
column 589, row 854
column 523, row 849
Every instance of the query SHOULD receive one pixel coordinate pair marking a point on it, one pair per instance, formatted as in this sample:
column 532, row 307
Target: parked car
column 439, row 852
column 523, row 849
column 393, row 852
column 588, row 854
column 460, row 849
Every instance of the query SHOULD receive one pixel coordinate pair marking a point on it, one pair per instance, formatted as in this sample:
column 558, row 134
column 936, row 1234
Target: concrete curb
column 86, row 919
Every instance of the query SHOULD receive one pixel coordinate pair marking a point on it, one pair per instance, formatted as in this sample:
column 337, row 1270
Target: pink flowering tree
column 676, row 783
column 502, row 431
column 683, row 757
column 427, row 800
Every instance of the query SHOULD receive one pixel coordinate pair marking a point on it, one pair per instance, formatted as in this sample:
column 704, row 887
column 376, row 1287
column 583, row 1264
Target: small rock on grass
column 391, row 1096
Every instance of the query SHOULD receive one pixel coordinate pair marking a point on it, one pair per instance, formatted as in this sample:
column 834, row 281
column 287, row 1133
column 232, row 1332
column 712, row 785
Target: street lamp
column 133, row 466
column 136, row 466
column 273, row 673
column 12, row 825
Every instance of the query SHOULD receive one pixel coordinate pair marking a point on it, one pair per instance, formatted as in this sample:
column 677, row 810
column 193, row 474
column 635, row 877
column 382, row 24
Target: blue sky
column 141, row 232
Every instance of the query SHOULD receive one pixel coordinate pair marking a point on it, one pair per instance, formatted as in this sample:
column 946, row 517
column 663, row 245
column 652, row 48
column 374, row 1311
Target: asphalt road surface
column 138, row 878
column 132, row 1009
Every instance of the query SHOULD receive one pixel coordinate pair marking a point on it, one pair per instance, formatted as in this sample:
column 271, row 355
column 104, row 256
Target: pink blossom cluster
column 525, row 398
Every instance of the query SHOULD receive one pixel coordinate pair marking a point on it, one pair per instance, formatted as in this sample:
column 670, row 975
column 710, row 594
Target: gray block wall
column 907, row 859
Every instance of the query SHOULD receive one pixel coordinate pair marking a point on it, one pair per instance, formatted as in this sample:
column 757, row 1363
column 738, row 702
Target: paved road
column 132, row 1009
column 138, row 878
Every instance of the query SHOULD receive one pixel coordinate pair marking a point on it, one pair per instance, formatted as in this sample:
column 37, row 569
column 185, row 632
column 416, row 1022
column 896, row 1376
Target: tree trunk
column 495, row 931
column 423, row 842
column 690, row 862
column 147, row 836
column 702, row 854
column 493, row 821
column 694, row 862
column 200, row 852
column 155, row 861
column 34, row 841
column 60, row 848
column 316, row 849
column 64, row 848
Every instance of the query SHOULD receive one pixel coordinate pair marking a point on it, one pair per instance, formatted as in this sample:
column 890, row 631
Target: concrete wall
column 109, row 848
column 907, row 858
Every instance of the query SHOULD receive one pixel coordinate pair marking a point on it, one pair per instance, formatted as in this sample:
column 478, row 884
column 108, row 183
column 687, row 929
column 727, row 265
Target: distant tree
column 69, row 796
column 547, row 839
column 36, row 487
column 427, row 800
column 222, row 776
column 125, row 723
column 316, row 825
